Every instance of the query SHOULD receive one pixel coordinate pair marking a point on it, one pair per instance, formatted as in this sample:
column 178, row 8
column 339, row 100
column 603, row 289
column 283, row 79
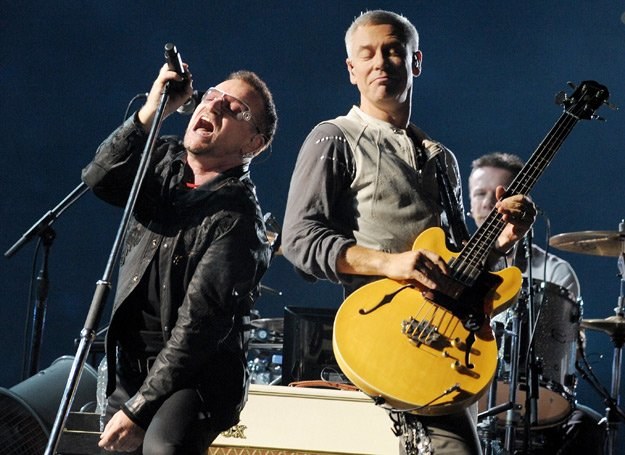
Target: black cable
column 130, row 103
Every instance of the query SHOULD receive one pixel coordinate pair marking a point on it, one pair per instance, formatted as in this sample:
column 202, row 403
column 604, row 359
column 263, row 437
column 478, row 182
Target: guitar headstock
column 585, row 100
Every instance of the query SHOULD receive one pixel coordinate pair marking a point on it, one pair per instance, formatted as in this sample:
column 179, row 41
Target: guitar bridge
column 420, row 332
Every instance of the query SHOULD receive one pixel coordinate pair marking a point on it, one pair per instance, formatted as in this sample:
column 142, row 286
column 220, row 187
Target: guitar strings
column 467, row 266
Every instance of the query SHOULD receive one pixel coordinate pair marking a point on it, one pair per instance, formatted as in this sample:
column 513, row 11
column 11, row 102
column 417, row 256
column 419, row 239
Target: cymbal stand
column 618, row 338
column 532, row 367
column 492, row 446
column 513, row 415
column 488, row 429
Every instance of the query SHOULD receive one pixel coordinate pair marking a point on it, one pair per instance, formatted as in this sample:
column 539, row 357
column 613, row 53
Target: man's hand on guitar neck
column 519, row 212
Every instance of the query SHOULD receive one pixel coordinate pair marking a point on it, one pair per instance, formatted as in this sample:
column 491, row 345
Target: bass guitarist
column 366, row 184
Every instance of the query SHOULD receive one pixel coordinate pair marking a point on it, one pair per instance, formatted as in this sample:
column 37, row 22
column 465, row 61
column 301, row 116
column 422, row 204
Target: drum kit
column 533, row 393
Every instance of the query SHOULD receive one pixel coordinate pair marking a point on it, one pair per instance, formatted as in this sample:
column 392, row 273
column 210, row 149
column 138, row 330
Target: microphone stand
column 39, row 310
column 43, row 229
column 531, row 398
column 88, row 333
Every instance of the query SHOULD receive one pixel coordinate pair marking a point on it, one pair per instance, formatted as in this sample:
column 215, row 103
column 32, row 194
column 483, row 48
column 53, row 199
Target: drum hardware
column 597, row 243
column 604, row 243
column 613, row 326
column 555, row 339
column 534, row 364
column 269, row 290
column 512, row 414
column 488, row 429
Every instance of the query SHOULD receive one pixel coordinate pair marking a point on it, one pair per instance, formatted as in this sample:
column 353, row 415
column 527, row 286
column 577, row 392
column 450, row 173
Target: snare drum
column 555, row 346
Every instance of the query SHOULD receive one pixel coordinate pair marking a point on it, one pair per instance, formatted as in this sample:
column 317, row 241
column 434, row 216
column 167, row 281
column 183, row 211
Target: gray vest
column 395, row 197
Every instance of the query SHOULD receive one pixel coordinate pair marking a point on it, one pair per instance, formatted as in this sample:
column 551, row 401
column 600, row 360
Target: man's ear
column 350, row 70
column 417, row 60
column 257, row 143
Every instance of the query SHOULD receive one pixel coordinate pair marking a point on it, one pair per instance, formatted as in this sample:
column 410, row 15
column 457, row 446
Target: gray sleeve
column 319, row 218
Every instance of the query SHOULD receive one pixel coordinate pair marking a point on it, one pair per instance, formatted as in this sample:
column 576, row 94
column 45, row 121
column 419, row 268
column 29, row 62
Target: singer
column 193, row 255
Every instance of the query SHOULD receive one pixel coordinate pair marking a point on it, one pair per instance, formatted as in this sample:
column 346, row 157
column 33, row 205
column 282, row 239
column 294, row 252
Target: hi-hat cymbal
column 614, row 325
column 598, row 243
column 270, row 324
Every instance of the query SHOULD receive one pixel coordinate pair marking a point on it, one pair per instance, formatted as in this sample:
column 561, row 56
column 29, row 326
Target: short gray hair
column 404, row 28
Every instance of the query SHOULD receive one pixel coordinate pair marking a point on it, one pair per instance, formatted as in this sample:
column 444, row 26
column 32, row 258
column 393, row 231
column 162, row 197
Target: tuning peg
column 561, row 98
column 612, row 106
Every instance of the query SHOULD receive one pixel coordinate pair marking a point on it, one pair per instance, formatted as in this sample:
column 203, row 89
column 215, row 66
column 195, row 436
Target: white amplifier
column 280, row 420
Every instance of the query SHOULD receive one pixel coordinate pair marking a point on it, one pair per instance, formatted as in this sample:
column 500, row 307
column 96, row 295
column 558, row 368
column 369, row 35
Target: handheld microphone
column 174, row 62
column 188, row 107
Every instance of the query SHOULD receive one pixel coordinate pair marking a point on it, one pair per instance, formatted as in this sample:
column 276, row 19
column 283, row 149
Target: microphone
column 188, row 107
column 174, row 62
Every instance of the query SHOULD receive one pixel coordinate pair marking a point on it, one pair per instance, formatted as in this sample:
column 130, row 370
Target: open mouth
column 204, row 125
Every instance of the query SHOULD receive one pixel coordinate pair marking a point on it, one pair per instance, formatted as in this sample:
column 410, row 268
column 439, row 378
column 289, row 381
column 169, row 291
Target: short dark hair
column 269, row 121
column 502, row 160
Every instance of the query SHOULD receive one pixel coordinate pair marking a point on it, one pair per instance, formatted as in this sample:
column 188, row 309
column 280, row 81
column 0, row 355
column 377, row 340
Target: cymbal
column 270, row 324
column 614, row 325
column 598, row 243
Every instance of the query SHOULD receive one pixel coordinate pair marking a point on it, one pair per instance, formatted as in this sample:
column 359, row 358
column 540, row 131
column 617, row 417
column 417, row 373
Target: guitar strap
column 457, row 228
column 451, row 205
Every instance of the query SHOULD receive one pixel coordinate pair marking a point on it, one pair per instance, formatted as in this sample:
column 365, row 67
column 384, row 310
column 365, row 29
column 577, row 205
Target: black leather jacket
column 212, row 251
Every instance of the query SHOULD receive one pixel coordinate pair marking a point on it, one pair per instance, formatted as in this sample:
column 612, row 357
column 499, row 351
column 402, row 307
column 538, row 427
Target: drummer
column 580, row 433
column 487, row 173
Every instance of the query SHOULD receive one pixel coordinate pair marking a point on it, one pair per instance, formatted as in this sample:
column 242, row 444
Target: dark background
column 490, row 72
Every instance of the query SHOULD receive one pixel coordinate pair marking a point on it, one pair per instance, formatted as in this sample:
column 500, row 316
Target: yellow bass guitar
column 437, row 355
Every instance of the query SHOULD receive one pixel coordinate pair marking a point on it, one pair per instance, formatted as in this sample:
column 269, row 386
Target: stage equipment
column 28, row 408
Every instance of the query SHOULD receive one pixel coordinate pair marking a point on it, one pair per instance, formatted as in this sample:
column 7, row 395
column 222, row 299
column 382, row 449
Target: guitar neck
column 543, row 156
column 473, row 256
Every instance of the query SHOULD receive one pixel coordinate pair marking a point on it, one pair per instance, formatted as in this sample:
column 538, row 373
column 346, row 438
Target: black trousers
column 178, row 427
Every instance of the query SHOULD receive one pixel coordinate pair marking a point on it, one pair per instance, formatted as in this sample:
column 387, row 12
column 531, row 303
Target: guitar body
column 410, row 353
